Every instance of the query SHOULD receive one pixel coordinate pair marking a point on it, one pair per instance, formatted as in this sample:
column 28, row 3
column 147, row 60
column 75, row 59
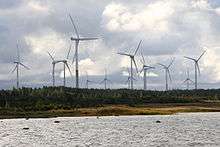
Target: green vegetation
column 63, row 101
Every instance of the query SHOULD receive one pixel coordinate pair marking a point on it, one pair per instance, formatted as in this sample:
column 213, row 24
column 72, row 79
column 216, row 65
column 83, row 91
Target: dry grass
column 116, row 110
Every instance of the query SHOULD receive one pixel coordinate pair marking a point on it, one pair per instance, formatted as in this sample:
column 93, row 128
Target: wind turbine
column 77, row 39
column 105, row 80
column 145, row 69
column 167, row 72
column 17, row 64
column 196, row 66
column 188, row 80
column 132, row 61
column 65, row 64
column 88, row 81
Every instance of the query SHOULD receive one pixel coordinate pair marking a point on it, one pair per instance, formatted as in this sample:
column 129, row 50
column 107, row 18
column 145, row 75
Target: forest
column 53, row 98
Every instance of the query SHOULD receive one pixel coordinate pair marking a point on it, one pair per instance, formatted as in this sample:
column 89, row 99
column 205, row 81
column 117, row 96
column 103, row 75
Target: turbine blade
column 197, row 65
column 126, row 82
column 187, row 73
column 24, row 66
column 191, row 81
column 185, row 81
column 14, row 69
column 135, row 64
column 128, row 70
column 171, row 63
column 91, row 38
column 143, row 60
column 123, row 54
column 149, row 67
column 168, row 71
column 134, row 79
column 74, row 57
column 68, row 54
column 67, row 65
column 102, row 81
column 201, row 56
column 74, row 26
column 137, row 47
column 50, row 56
column 162, row 65
column 110, row 81
column 189, row 58
column 91, row 81
column 18, row 54
column 142, row 70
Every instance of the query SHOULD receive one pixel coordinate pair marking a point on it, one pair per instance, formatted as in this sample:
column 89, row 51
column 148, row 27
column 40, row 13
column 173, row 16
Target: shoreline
column 116, row 110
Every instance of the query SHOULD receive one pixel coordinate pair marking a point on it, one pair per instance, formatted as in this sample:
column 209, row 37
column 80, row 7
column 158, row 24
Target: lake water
column 188, row 129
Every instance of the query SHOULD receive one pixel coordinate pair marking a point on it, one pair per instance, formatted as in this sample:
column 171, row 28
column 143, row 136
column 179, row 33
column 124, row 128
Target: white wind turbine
column 105, row 80
column 196, row 67
column 17, row 65
column 132, row 61
column 145, row 69
column 88, row 81
column 167, row 72
column 188, row 80
column 77, row 39
column 65, row 64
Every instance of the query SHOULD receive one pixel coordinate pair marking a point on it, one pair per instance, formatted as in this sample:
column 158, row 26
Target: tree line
column 49, row 98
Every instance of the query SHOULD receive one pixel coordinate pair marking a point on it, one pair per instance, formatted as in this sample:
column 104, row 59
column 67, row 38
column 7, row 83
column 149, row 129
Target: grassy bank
column 115, row 110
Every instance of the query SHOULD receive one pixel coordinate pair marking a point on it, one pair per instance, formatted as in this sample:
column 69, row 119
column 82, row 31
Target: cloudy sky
column 169, row 29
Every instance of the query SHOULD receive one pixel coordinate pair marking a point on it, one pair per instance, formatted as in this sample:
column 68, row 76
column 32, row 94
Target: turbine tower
column 196, row 64
column 105, row 80
column 128, row 79
column 188, row 80
column 132, row 61
column 77, row 40
column 145, row 69
column 17, row 64
column 65, row 64
column 167, row 72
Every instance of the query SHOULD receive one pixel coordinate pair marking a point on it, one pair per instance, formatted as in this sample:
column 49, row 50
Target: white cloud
column 152, row 18
column 37, row 6
column 47, row 40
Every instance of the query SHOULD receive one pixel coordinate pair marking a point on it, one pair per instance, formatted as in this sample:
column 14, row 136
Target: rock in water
column 25, row 128
column 56, row 121
column 158, row 121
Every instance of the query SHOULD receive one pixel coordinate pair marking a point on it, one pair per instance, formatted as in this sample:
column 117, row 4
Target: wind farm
column 133, row 73
column 109, row 73
column 135, row 68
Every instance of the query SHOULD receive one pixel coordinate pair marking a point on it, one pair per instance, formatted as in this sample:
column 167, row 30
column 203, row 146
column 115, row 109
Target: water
column 192, row 129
